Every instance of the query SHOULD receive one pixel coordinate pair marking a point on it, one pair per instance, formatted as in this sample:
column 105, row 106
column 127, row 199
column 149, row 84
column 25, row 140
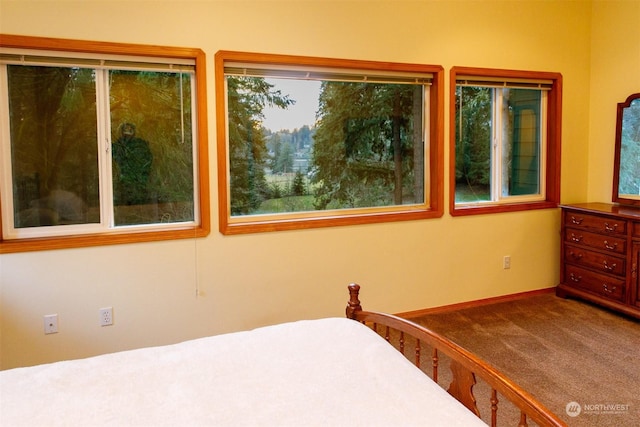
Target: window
column 101, row 143
column 310, row 142
column 505, row 140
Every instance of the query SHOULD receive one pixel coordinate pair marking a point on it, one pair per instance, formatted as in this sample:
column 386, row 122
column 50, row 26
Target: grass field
column 287, row 204
column 464, row 193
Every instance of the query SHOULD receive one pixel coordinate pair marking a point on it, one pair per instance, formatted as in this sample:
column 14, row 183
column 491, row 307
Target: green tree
column 284, row 161
column 473, row 135
column 276, row 147
column 53, row 133
column 247, row 97
column 298, row 187
column 282, row 158
column 364, row 145
column 302, row 138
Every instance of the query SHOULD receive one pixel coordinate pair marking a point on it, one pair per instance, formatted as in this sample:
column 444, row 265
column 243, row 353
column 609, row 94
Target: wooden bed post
column 354, row 303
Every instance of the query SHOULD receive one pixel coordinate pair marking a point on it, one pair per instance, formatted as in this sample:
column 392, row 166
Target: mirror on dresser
column 626, row 167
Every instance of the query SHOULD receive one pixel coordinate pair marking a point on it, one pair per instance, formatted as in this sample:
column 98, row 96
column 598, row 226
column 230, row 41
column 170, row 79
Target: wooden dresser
column 600, row 252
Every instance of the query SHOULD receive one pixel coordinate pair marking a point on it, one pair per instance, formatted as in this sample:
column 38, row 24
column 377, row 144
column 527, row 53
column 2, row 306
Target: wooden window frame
column 317, row 219
column 200, row 229
column 553, row 135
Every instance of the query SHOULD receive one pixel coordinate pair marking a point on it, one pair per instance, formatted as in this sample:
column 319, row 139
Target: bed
column 329, row 372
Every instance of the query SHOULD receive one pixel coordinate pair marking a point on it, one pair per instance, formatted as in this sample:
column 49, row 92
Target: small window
column 505, row 140
column 309, row 142
column 99, row 141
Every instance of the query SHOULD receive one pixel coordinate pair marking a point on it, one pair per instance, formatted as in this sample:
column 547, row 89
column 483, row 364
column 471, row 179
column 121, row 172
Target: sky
column 303, row 112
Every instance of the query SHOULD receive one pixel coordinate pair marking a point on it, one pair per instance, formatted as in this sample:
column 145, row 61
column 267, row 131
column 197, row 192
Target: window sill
column 491, row 209
column 67, row 242
column 231, row 228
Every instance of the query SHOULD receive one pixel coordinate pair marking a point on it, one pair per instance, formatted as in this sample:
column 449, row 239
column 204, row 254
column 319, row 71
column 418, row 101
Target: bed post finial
column 354, row 303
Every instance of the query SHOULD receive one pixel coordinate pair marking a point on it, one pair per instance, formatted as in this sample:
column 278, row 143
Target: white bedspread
column 328, row 372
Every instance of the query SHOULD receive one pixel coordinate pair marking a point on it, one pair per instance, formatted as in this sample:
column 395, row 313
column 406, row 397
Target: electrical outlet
column 51, row 324
column 506, row 262
column 106, row 316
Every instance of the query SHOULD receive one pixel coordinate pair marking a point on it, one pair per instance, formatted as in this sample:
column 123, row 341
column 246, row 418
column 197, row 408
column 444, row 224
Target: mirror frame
column 616, row 163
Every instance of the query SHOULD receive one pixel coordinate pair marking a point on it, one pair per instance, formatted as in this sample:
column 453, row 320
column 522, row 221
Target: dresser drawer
column 595, row 223
column 636, row 229
column 601, row 262
column 601, row 284
column 611, row 244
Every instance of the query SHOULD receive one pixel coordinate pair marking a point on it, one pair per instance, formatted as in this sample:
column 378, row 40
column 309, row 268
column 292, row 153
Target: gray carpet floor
column 565, row 352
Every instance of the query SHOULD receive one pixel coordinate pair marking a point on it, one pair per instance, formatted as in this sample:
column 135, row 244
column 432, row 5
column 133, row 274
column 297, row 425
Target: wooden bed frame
column 465, row 366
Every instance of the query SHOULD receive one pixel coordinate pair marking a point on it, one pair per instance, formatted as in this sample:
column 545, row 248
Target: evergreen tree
column 473, row 136
column 276, row 147
column 247, row 97
column 363, row 145
column 284, row 162
column 298, row 188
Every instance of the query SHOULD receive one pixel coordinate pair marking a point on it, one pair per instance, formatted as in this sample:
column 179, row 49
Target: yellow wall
column 615, row 74
column 252, row 280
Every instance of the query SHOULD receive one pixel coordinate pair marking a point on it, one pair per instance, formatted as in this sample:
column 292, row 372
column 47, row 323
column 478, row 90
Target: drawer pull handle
column 575, row 278
column 609, row 267
column 609, row 246
column 575, row 238
column 606, row 288
column 608, row 227
column 576, row 256
column 576, row 221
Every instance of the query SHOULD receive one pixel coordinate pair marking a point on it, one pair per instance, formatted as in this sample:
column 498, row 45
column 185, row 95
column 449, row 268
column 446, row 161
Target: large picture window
column 505, row 140
column 99, row 142
column 310, row 142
